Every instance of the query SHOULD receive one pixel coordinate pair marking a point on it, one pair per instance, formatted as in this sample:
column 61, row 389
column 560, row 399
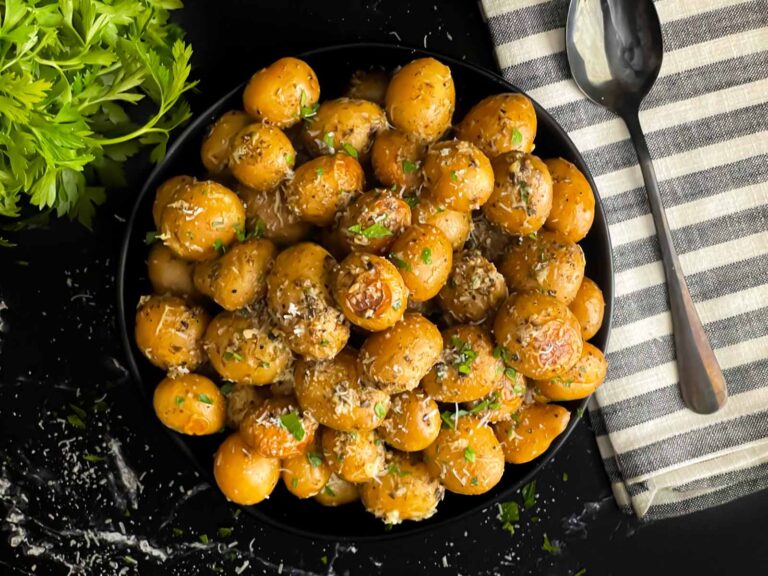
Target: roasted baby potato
column 245, row 348
column 267, row 215
column 331, row 390
column 244, row 476
column 420, row 99
column 424, row 258
column 169, row 332
column 468, row 369
column 190, row 404
column 344, row 125
column 588, row 306
column 165, row 193
column 525, row 438
column 282, row 93
column 202, row 219
column 396, row 359
column 546, row 263
column 458, row 175
column 499, row 124
column 373, row 221
column 454, row 224
column 413, row 421
column 503, row 402
column 277, row 428
column 240, row 399
column 580, row 380
column 307, row 474
column 397, row 159
column 356, row 456
column 522, row 193
column 238, row 277
column 539, row 335
column 323, row 186
column 214, row 152
column 368, row 85
column 337, row 492
column 573, row 202
column 466, row 457
column 474, row 288
column 261, row 156
column 170, row 274
column 370, row 291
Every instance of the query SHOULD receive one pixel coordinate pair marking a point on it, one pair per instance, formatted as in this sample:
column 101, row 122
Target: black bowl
column 334, row 66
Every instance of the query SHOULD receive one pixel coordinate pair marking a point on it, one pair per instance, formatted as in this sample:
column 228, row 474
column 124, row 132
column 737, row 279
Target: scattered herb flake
column 179, row 401
column 410, row 167
column 226, row 388
column 324, row 560
column 349, row 149
column 218, row 245
column 547, row 546
column 328, row 141
column 469, row 454
column 581, row 572
column 177, row 532
column 565, row 476
column 76, row 421
column 426, row 256
column 463, row 356
column 204, row 538
column 204, row 398
column 229, row 356
column 314, row 459
column 529, row 494
column 93, row 458
column 130, row 559
column 224, row 532
column 509, row 513
column 292, row 423
column 399, row 262
column 307, row 112
column 517, row 137
column 77, row 410
column 329, row 491
column 397, row 471
column 380, row 410
column 372, row 232
column 454, row 176
column 294, row 483
column 151, row 237
column 411, row 200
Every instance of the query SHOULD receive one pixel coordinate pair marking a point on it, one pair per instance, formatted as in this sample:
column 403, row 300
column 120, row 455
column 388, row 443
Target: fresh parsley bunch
column 69, row 71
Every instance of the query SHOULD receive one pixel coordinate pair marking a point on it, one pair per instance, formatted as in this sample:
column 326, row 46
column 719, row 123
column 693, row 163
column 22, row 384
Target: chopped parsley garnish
column 529, row 494
column 314, row 459
column 474, row 481
column 328, row 490
column 328, row 141
column 399, row 262
column 289, row 158
column 77, row 410
column 324, row 559
column 411, row 200
column 524, row 193
column 76, row 421
column 93, row 458
column 294, row 483
column 305, row 111
column 450, row 417
column 511, row 374
column 224, row 532
column 204, row 538
column 374, row 231
column 229, row 356
column 349, row 149
column 177, row 532
column 129, row 559
column 205, row 399
column 565, row 476
column 469, row 454
column 426, row 256
column 454, row 176
column 151, row 237
column 509, row 512
column 179, row 401
column 319, row 171
column 396, row 305
column 579, row 412
column 549, row 547
column 397, row 471
column 492, row 402
column 409, row 167
column 517, row 137
column 260, row 228
column 226, row 388
column 532, row 235
column 218, row 245
column 581, row 572
column 292, row 423
column 380, row 410
column 240, row 233
column 464, row 355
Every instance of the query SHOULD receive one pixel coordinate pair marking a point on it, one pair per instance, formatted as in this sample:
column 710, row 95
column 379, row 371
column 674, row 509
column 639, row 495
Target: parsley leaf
column 410, row 167
column 509, row 512
column 517, row 137
column 553, row 549
column 380, row 410
column 454, row 176
column 469, row 454
column 315, row 459
column 349, row 150
column 307, row 112
column 204, row 398
column 292, row 423
column 400, row 263
column 372, row 232
column 529, row 494
column 463, row 355
column 426, row 256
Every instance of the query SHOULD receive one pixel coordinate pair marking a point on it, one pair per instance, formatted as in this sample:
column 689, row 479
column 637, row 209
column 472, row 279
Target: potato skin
column 589, row 307
column 238, row 277
column 337, row 492
column 528, row 437
column 421, row 98
column 307, row 474
column 466, row 458
column 580, row 380
column 406, row 491
column 261, row 156
column 243, row 476
column 267, row 215
column 503, row 402
column 424, row 259
column 165, row 194
column 573, row 202
column 323, row 186
column 547, row 263
column 370, row 291
column 214, row 153
column 539, row 334
column 474, row 288
column 200, row 218
column 396, row 359
column 499, row 124
column 190, row 404
column 275, row 94
column 331, row 390
column 368, row 85
column 344, row 121
column 489, row 239
column 413, row 421
column 353, row 456
column 458, row 175
column 170, row 274
column 373, row 221
column 169, row 332
column 263, row 430
column 240, row 399
column 454, row 224
column 397, row 159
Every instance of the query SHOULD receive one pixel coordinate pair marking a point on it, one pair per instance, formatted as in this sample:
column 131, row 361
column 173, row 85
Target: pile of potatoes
column 381, row 305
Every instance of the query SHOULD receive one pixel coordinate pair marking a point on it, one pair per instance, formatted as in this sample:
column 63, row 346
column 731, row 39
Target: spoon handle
column 701, row 381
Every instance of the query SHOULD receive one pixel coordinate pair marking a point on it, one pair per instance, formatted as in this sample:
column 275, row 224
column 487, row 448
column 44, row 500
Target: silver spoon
column 614, row 51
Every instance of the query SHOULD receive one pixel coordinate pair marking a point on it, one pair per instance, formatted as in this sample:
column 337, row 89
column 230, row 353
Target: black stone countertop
column 117, row 498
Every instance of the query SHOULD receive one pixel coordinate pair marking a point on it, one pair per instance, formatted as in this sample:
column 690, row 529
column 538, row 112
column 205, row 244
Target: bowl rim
column 204, row 117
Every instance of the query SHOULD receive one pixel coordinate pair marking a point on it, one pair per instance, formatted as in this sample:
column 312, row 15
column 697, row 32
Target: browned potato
column 373, row 221
column 165, row 193
column 466, row 457
column 307, row 474
column 396, row 159
column 282, row 93
column 356, row 456
column 344, row 125
column 246, row 349
column 396, row 359
column 261, row 157
column 277, row 428
column 202, row 219
column 323, row 186
column 240, row 399
column 528, row 436
column 413, row 422
column 337, row 492
column 580, row 380
column 540, row 336
column 244, row 476
column 405, row 492
column 458, row 175
column 488, row 239
column 424, row 257
column 169, row 332
column 468, row 369
column 267, row 215
column 238, row 277
column 332, row 392
column 215, row 149
column 190, row 404
column 522, row 193
column 420, row 99
column 503, row 402
column 546, row 263
column 299, row 297
column 454, row 224
column 474, row 289
column 170, row 274
column 588, row 306
column 368, row 85
column 573, row 202
column 499, row 124
column 370, row 291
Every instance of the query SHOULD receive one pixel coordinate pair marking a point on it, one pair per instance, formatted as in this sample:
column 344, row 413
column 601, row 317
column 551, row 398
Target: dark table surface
column 117, row 498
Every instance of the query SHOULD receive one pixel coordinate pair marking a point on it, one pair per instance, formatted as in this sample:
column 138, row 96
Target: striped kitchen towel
column 706, row 121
